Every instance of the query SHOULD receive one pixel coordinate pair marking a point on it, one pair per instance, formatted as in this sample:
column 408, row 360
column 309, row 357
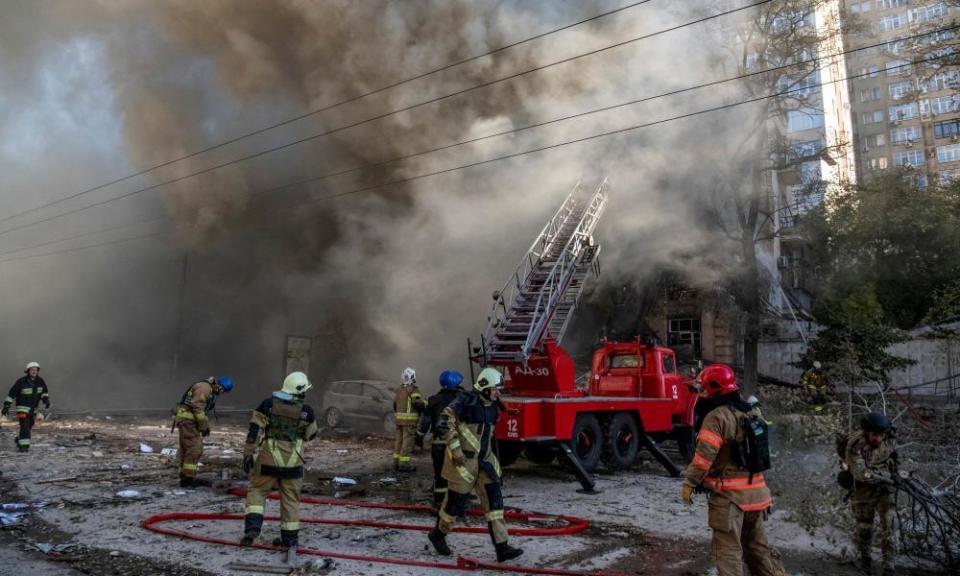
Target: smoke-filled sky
column 91, row 91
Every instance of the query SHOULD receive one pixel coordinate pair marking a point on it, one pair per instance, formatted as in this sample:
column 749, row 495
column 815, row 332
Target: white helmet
column 408, row 376
column 817, row 365
column 488, row 378
column 296, row 383
column 753, row 400
column 31, row 365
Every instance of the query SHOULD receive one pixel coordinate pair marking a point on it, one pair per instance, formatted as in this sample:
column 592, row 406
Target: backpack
column 752, row 452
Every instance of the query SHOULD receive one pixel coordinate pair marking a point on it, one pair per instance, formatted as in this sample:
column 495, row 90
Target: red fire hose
column 572, row 526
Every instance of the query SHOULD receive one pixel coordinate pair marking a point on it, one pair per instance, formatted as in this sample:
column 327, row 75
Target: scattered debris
column 97, row 454
column 345, row 481
column 146, row 448
column 128, row 494
column 343, row 451
column 165, row 452
column 10, row 518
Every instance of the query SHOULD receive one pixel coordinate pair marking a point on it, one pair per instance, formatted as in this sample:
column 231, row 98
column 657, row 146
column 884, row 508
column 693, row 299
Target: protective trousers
column 491, row 501
column 438, row 451
column 191, row 448
column 289, row 489
column 27, row 420
column 864, row 512
column 403, row 445
column 738, row 538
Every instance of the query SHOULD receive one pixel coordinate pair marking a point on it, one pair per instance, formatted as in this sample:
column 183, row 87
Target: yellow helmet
column 488, row 378
column 296, row 383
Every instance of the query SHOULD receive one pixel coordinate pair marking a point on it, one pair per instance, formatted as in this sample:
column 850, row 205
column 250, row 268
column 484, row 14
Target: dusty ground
column 77, row 467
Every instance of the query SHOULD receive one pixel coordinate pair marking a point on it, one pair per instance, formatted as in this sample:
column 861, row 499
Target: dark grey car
column 359, row 403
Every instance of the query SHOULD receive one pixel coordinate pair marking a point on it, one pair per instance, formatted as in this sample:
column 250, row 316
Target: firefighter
column 815, row 387
column 468, row 426
column 450, row 381
column 191, row 419
column 407, row 405
column 28, row 392
column 278, row 429
column 871, row 458
column 739, row 501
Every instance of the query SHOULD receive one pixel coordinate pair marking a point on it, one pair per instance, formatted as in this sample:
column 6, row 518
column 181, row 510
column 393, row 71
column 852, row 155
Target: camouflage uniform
column 407, row 405
column 872, row 469
column 739, row 503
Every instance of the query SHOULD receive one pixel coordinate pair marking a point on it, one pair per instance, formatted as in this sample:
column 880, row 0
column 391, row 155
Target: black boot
column 507, row 552
column 252, row 524
column 201, row 482
column 866, row 563
column 248, row 538
column 439, row 541
column 186, row 482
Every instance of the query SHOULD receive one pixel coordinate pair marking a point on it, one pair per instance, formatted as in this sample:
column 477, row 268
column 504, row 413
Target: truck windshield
column 624, row 361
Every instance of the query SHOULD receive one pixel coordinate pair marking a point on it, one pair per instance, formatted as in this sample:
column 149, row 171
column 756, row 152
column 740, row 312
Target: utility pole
column 181, row 298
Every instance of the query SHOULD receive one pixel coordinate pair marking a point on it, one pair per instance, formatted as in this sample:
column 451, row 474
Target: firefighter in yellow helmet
column 408, row 403
column 278, row 429
column 468, row 426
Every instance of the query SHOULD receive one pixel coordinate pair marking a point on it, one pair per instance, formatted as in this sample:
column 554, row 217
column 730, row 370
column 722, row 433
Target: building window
column 804, row 119
column 905, row 135
column 898, row 68
column 805, row 149
column 900, row 89
column 885, row 4
column 948, row 176
column 684, row 332
column 903, row 112
column 941, row 105
column 873, row 141
column 803, row 86
column 948, row 129
column 908, row 158
column 874, row 117
column 919, row 180
column 948, row 80
column 928, row 13
column 860, row 7
column 871, row 71
column 869, row 94
column 893, row 22
column 895, row 46
column 877, row 163
column 949, row 153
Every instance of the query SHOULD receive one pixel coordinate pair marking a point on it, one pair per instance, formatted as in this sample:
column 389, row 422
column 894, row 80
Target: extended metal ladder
column 540, row 297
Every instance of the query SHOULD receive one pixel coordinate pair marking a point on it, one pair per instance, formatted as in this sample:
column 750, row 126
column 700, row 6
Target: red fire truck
column 634, row 394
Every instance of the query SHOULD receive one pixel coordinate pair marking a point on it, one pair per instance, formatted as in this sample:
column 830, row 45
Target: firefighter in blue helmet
column 190, row 418
column 450, row 381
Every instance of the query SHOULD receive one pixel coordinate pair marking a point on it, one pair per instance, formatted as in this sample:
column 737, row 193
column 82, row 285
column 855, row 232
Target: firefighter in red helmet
column 739, row 498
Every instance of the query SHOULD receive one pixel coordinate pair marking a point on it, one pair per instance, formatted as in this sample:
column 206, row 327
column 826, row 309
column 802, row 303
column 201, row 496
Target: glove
column 205, row 432
column 5, row 411
column 46, row 403
column 247, row 464
column 686, row 493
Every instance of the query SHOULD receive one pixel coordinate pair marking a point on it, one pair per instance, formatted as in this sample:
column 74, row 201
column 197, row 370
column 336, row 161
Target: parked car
column 350, row 403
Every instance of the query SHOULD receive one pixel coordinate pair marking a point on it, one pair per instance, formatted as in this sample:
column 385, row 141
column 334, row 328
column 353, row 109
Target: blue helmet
column 450, row 379
column 226, row 382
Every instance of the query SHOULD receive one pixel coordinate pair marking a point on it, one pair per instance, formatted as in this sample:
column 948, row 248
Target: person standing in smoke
column 190, row 418
column 28, row 392
column 450, row 381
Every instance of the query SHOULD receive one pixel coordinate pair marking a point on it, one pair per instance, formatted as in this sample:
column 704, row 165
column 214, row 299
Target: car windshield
column 624, row 361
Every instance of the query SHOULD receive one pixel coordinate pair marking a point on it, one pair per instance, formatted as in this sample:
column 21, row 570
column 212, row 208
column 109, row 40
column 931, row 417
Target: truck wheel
column 508, row 452
column 621, row 442
column 333, row 418
column 587, row 441
column 685, row 443
column 540, row 453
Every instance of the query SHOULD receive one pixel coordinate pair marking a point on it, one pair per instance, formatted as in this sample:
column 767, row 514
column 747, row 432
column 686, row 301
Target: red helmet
column 717, row 380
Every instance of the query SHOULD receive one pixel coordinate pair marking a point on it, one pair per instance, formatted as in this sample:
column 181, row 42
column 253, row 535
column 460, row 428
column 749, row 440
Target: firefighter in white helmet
column 468, row 426
column 408, row 403
column 278, row 429
column 28, row 392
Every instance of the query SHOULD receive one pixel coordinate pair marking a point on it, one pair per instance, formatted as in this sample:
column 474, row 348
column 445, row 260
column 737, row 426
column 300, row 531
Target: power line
column 534, row 150
column 325, row 108
column 523, row 128
column 384, row 115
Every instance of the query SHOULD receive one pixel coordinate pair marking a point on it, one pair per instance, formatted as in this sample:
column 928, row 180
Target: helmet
column 31, row 365
column 753, row 400
column 296, row 383
column 817, row 365
column 488, row 378
column 718, row 380
column 450, row 379
column 408, row 376
column 225, row 382
column 877, row 422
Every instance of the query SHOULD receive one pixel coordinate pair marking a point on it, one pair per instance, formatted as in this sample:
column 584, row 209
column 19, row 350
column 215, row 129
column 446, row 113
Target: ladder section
column 542, row 294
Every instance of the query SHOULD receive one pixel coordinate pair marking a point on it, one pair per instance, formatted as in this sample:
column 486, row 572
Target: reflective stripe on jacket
column 27, row 394
column 408, row 403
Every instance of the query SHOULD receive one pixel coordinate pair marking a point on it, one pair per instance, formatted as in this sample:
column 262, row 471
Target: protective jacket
column 407, row 405
column 468, row 428
column 279, row 427
column 433, row 413
column 873, row 468
column 715, row 468
column 196, row 402
column 27, row 393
